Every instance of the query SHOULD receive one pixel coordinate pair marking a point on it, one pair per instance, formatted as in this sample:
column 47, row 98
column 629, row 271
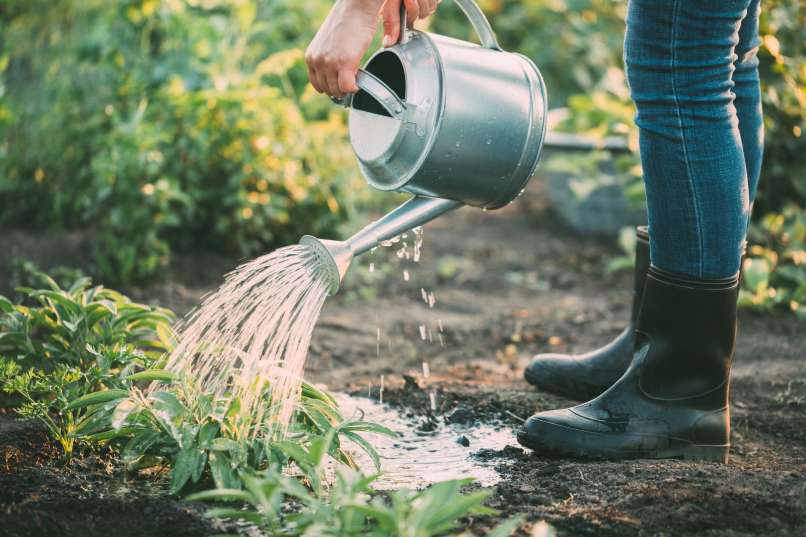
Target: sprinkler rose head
column 333, row 256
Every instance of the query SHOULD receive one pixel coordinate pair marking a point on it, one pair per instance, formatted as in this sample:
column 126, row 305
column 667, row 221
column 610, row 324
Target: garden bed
column 517, row 284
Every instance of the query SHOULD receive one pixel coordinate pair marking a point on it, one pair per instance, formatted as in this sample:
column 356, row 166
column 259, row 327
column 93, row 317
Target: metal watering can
column 449, row 121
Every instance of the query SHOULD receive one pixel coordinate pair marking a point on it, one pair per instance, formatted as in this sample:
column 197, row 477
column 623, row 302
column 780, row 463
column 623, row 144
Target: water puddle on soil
column 420, row 455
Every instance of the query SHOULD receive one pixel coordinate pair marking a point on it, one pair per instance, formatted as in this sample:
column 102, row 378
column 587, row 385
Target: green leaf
column 110, row 434
column 207, row 434
column 224, row 444
column 311, row 391
column 366, row 446
column 140, row 443
column 152, row 375
column 222, row 472
column 168, row 402
column 185, row 466
column 223, row 495
column 122, row 411
column 294, row 451
column 69, row 305
column 367, row 427
column 96, row 398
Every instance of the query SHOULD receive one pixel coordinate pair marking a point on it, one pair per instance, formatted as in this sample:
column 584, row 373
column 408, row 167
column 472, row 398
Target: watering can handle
column 379, row 91
column 479, row 23
column 472, row 12
column 387, row 98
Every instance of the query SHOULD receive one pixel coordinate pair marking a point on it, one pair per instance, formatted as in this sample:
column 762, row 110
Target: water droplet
column 489, row 141
column 406, row 275
column 372, row 267
column 458, row 144
column 426, row 370
column 422, row 332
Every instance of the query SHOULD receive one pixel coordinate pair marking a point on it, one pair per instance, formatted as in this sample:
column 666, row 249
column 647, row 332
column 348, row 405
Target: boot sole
column 684, row 450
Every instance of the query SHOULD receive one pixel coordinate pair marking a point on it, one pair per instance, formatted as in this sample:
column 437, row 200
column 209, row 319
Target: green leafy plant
column 600, row 115
column 199, row 435
column 72, row 342
column 775, row 269
column 64, row 324
column 350, row 506
column 157, row 126
column 47, row 396
column 782, row 66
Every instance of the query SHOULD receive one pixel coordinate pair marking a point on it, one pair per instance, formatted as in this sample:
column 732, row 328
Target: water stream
column 254, row 333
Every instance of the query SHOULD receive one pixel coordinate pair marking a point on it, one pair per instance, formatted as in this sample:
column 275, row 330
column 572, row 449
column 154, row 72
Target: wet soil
column 507, row 284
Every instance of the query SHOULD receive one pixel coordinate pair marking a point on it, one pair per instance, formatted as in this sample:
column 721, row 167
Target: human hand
column 334, row 54
column 415, row 9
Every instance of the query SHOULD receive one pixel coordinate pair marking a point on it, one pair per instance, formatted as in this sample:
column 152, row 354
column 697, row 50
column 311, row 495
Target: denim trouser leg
column 699, row 117
column 748, row 96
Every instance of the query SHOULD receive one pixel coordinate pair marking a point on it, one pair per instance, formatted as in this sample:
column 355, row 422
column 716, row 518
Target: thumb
column 391, row 22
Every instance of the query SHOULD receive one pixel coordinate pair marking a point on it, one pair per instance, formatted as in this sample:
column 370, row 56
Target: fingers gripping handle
column 403, row 35
column 379, row 91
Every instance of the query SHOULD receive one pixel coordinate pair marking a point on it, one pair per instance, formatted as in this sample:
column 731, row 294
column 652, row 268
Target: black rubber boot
column 584, row 376
column 673, row 400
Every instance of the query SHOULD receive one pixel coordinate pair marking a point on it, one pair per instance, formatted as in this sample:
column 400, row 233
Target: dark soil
column 507, row 284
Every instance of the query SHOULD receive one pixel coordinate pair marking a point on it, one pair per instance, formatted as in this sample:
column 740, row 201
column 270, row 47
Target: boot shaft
column 688, row 330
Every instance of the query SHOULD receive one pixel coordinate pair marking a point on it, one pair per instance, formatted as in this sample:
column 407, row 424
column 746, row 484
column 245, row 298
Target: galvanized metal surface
column 472, row 123
column 449, row 121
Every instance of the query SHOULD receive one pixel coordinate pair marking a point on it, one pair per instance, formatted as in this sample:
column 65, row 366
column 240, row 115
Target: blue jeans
column 693, row 73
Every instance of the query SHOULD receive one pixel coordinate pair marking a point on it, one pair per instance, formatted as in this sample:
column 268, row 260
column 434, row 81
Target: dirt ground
column 507, row 284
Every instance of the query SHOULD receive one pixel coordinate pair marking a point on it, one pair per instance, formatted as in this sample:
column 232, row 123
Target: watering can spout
column 338, row 255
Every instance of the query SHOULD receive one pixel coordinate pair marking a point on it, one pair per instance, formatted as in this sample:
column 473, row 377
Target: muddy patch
column 430, row 448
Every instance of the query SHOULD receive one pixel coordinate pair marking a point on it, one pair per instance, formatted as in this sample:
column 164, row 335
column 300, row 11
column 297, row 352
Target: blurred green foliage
column 599, row 115
column 168, row 124
column 162, row 125
column 577, row 44
column 775, row 268
column 59, row 343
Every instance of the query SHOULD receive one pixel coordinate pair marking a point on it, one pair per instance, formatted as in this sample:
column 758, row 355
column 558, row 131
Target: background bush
column 165, row 125
column 578, row 46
